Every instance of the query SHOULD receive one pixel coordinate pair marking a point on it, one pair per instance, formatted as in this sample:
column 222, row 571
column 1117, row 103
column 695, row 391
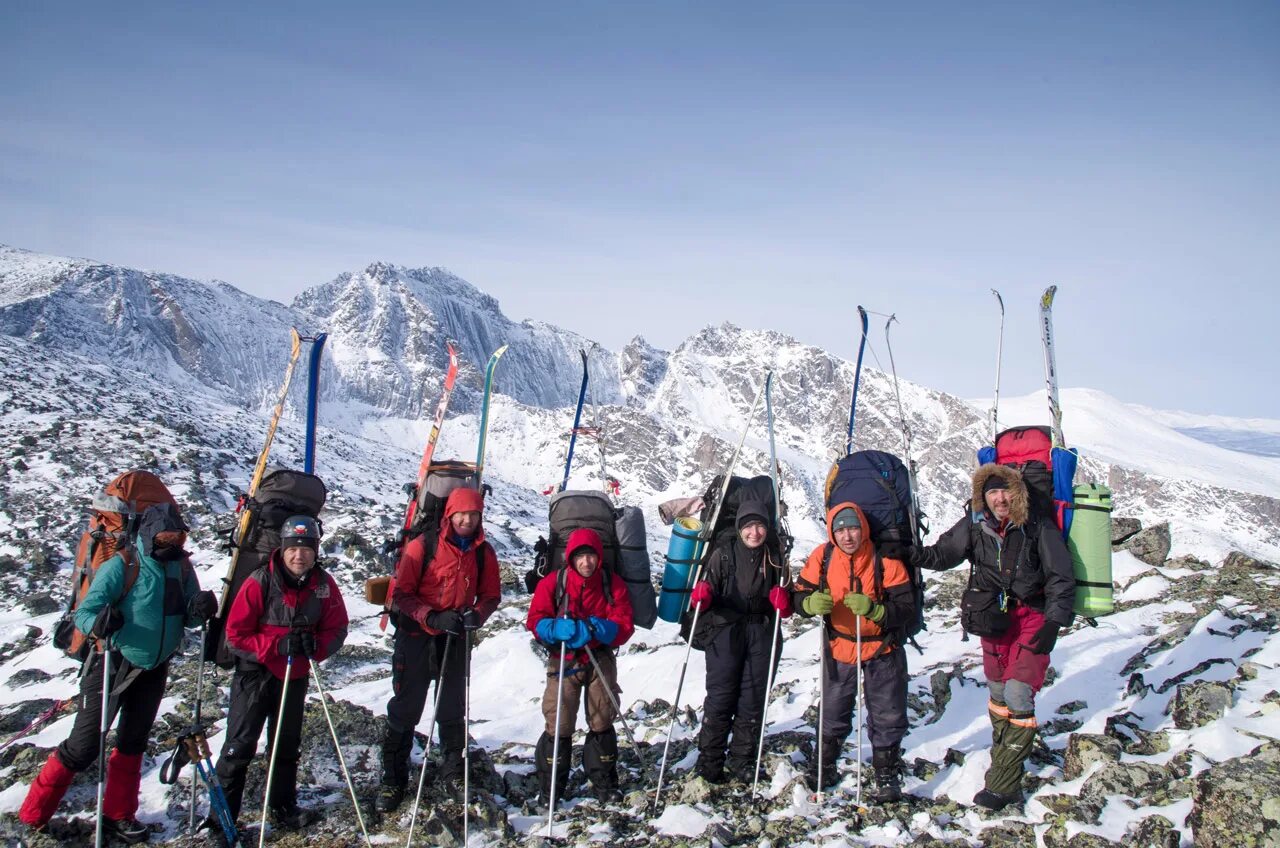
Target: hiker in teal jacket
column 142, row 623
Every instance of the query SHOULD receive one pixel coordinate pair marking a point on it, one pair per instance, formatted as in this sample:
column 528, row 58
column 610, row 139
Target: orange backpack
column 113, row 524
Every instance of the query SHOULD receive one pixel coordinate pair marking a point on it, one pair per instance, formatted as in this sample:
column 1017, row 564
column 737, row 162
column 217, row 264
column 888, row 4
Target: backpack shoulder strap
column 130, row 570
column 827, row 550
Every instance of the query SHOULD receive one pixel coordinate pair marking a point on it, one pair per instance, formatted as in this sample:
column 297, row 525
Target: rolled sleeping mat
column 1089, row 542
column 677, row 575
column 633, row 566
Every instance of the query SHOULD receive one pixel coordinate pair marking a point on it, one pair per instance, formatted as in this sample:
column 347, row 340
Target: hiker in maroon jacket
column 575, row 611
column 289, row 608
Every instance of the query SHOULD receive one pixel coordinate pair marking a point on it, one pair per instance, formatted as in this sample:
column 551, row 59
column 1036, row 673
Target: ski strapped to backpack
column 112, row 530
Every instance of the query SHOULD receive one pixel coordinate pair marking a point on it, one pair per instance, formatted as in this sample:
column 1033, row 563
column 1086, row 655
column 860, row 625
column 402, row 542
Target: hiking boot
column 389, row 797
column 292, row 817
column 887, row 763
column 128, row 831
column 742, row 771
column 996, row 800
column 830, row 771
column 710, row 770
column 606, row 794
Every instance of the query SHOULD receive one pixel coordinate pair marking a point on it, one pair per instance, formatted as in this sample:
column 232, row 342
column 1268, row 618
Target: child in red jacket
column 577, row 615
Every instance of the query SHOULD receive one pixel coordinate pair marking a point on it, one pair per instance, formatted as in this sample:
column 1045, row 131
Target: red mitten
column 700, row 597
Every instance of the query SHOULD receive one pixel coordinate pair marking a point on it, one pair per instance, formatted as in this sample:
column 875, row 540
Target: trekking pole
column 822, row 700
column 275, row 750
column 764, row 717
column 104, row 724
column 555, row 745
column 613, row 700
column 857, row 629
column 466, row 739
column 195, row 771
column 426, row 749
column 342, row 761
column 675, row 707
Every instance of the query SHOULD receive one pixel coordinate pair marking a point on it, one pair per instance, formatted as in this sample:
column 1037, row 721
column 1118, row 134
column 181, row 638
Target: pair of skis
column 1050, row 368
column 596, row 430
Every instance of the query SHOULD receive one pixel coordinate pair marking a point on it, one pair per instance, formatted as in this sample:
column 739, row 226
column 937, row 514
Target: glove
column 292, row 645
column 604, row 630
column 446, row 621
column 860, row 604
column 1043, row 640
column 553, row 631
column 108, row 621
column 203, row 605
column 818, row 603
column 471, row 620
column 897, row 550
column 700, row 597
column 781, row 600
column 308, row 643
column 581, row 635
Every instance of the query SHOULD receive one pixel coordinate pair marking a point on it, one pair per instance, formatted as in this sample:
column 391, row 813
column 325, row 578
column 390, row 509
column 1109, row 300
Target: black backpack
column 744, row 490
column 282, row 493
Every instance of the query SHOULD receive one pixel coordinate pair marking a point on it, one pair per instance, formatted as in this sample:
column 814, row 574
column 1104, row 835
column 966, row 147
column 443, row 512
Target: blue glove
column 553, row 631
column 581, row 634
column 604, row 630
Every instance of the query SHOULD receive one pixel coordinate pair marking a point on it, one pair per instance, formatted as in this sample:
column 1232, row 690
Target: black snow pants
column 737, row 674
column 136, row 704
column 415, row 662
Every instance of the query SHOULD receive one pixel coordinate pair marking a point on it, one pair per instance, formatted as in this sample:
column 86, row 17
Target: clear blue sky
column 648, row 168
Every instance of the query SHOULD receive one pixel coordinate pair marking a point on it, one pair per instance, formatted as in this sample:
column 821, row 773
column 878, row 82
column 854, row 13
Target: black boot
column 600, row 761
column 453, row 740
column 397, row 744
column 542, row 756
column 830, row 771
column 887, row 763
column 710, row 766
column 129, row 831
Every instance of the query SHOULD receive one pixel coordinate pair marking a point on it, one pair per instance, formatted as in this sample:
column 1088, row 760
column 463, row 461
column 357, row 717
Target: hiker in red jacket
column 573, row 610
column 289, row 608
column 446, row 586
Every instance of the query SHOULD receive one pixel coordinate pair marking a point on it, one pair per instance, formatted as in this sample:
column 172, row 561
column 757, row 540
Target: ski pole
column 204, row 635
column 426, row 749
column 275, row 750
column 822, row 700
column 104, row 724
column 857, row 629
column 466, row 739
column 342, row 761
column 675, row 707
column 555, row 745
column 613, row 700
column 764, row 716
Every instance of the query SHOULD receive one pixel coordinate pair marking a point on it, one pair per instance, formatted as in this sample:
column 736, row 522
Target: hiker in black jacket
column 1021, row 592
column 742, row 587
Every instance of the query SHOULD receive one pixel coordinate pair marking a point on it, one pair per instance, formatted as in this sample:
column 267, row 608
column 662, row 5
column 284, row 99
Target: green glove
column 819, row 603
column 862, row 605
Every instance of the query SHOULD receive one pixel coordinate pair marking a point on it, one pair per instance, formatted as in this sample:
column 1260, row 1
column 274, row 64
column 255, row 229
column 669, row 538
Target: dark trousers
column 416, row 661
column 136, row 705
column 255, row 701
column 737, row 674
column 884, row 696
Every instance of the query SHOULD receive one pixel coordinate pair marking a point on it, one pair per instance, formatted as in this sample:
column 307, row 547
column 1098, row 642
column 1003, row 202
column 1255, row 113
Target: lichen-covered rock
column 1151, row 545
column 1137, row 780
column 1196, row 704
column 1122, row 528
column 1153, row 832
column 1236, row 803
column 1085, row 749
column 1011, row 835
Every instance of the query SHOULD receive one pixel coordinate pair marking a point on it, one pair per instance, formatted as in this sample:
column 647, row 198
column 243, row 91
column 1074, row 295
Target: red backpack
column 1030, row 451
column 113, row 520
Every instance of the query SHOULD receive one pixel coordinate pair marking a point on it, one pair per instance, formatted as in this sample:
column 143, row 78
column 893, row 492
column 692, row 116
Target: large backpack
column 443, row 479
column 880, row 484
column 574, row 509
column 743, row 490
column 112, row 528
column 282, row 493
column 1047, row 472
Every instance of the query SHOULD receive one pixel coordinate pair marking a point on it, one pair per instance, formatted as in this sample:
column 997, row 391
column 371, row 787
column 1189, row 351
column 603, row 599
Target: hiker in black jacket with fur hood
column 1021, row 592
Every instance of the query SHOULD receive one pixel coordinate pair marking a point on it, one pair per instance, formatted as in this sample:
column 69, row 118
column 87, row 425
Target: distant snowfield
column 1148, row 440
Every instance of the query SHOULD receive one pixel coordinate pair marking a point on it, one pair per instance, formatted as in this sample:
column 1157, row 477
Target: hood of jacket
column 1019, row 503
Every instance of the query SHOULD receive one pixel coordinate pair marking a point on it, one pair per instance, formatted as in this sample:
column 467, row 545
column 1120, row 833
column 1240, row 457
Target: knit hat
column 847, row 517
column 751, row 511
column 995, row 481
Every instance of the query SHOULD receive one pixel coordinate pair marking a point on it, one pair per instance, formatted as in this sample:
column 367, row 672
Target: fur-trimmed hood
column 1019, row 503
